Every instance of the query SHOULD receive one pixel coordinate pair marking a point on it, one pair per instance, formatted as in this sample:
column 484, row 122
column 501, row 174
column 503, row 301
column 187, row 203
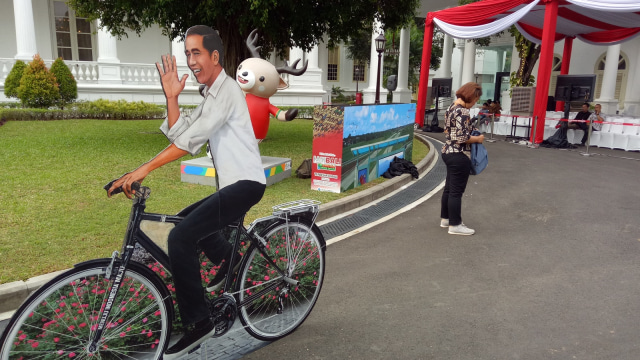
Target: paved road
column 552, row 272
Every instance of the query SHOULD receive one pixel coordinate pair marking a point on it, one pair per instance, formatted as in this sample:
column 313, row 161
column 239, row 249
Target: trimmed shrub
column 38, row 87
column 119, row 110
column 66, row 82
column 98, row 109
column 12, row 82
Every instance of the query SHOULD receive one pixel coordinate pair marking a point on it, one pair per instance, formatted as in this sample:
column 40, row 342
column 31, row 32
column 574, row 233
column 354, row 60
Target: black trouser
column 201, row 228
column 458, row 170
column 582, row 126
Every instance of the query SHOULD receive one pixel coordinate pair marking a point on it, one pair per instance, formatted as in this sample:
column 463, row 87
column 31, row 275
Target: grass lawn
column 54, row 212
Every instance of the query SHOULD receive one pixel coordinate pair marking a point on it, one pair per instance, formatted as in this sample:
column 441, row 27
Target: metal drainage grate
column 388, row 206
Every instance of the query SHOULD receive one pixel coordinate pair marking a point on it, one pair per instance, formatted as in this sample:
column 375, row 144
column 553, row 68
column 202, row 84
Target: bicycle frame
column 134, row 235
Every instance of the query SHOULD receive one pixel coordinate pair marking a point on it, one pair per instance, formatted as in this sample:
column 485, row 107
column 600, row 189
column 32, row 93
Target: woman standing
column 456, row 154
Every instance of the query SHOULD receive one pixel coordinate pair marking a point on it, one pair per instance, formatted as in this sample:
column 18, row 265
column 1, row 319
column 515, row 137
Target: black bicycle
column 120, row 308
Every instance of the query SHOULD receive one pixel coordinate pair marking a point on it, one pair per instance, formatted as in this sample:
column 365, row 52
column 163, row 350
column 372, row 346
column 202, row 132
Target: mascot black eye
column 240, row 67
column 261, row 78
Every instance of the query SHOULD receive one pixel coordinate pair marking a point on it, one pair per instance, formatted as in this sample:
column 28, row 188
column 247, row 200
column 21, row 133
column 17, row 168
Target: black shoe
column 193, row 336
column 218, row 280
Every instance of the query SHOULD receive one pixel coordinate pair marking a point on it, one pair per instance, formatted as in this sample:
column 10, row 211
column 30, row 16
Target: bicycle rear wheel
column 59, row 319
column 269, row 307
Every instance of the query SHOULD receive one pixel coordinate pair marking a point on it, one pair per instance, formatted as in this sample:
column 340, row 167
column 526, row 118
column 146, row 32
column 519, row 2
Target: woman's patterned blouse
column 457, row 128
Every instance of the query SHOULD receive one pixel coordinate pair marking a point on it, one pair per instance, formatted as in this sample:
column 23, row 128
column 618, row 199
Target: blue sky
column 365, row 119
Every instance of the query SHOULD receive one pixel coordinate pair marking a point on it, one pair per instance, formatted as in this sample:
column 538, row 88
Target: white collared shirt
column 222, row 118
column 594, row 117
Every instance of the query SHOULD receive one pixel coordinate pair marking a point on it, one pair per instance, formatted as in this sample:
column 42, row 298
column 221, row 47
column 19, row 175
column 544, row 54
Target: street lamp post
column 380, row 40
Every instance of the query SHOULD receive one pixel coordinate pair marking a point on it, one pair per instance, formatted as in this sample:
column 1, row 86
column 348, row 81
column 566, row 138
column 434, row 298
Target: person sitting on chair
column 597, row 116
column 582, row 115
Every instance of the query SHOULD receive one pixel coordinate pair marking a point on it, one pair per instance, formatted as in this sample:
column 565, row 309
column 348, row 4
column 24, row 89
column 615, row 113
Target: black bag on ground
column 401, row 166
column 304, row 170
column 557, row 140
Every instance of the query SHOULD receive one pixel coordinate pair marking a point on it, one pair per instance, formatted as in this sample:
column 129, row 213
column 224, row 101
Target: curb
column 14, row 293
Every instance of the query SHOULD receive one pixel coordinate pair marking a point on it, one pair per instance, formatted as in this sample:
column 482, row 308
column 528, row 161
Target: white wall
column 146, row 48
column 43, row 29
column 8, row 33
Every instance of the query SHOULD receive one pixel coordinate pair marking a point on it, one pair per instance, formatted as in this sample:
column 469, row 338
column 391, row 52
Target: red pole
column 544, row 68
column 566, row 61
column 424, row 71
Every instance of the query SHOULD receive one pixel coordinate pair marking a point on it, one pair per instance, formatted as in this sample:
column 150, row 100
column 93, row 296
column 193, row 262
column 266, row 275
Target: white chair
column 607, row 138
column 502, row 127
column 620, row 140
column 633, row 140
column 596, row 135
column 574, row 136
column 550, row 123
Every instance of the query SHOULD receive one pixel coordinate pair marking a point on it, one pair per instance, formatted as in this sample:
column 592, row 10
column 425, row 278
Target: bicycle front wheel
column 60, row 319
column 269, row 306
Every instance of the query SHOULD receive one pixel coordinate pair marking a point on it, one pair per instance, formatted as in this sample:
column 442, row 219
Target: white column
column 177, row 50
column 632, row 97
column 25, row 30
column 295, row 53
column 108, row 62
column 445, row 63
column 458, row 59
column 402, row 94
column 312, row 56
column 311, row 80
column 369, row 94
column 608, row 89
column 469, row 63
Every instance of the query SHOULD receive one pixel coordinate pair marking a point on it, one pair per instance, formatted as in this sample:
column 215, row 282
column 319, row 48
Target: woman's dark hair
column 469, row 92
column 210, row 39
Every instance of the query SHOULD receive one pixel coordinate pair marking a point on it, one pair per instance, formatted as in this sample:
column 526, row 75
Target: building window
column 358, row 72
column 333, row 64
column 73, row 34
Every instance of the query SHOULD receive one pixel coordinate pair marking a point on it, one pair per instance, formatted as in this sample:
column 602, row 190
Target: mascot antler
column 251, row 42
column 292, row 69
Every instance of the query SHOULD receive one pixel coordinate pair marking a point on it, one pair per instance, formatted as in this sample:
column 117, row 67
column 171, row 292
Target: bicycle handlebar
column 135, row 186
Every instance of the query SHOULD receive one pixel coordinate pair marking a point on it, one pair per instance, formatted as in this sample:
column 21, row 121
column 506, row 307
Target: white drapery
column 472, row 32
column 609, row 5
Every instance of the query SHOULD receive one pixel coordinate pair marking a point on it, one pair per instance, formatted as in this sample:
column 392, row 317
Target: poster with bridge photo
column 353, row 145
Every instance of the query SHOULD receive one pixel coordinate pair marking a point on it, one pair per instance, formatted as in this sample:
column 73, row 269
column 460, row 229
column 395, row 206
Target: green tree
column 12, row 81
column 38, row 87
column 359, row 49
column 529, row 53
column 281, row 24
column 66, row 82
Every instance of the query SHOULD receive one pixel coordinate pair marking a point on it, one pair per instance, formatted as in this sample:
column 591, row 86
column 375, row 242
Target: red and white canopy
column 600, row 22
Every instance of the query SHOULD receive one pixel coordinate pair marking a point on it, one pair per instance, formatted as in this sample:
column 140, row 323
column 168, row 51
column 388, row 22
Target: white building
column 105, row 67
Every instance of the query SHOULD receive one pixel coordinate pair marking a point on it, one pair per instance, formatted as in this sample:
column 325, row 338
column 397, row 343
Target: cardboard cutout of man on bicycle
column 118, row 307
column 222, row 120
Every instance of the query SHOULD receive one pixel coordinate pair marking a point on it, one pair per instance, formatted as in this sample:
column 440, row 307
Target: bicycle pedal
column 193, row 350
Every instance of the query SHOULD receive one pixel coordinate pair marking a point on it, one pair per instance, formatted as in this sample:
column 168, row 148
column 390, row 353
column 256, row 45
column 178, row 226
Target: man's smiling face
column 203, row 65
